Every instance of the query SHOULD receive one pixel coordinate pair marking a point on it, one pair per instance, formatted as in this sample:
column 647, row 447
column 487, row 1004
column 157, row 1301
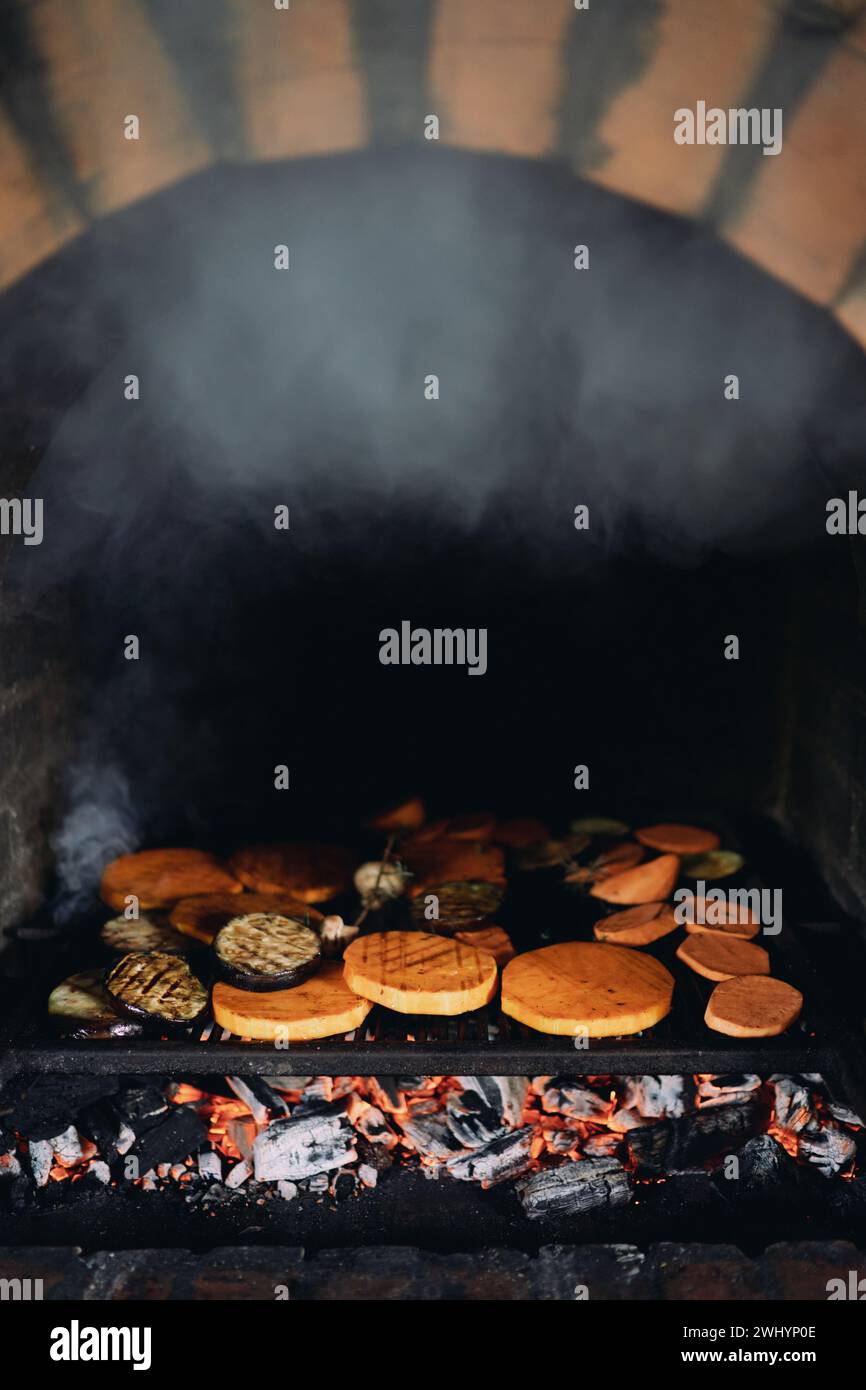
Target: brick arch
column 240, row 80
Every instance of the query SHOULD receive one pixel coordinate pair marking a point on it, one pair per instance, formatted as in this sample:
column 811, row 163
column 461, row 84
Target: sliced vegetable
column 598, row 825
column 156, row 988
column 459, row 904
column 716, row 863
column 81, row 1008
column 678, row 839
column 265, row 951
column 121, row 934
column 648, row 883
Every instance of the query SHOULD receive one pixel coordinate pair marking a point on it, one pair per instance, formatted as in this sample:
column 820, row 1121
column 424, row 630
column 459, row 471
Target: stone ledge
column 670, row 1272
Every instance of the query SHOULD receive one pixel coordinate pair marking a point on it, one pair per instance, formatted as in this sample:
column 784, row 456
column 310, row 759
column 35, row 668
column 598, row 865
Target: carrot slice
column 648, row 883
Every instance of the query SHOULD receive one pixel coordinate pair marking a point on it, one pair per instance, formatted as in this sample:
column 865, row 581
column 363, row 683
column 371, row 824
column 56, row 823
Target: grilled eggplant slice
column 156, row 989
column 122, row 935
column 264, row 951
column 460, row 905
column 80, row 1008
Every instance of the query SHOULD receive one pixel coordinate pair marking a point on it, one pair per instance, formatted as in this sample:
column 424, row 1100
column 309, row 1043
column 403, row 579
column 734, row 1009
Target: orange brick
column 105, row 62
column 705, row 52
column 806, row 218
column 297, row 70
column 496, row 73
column 31, row 226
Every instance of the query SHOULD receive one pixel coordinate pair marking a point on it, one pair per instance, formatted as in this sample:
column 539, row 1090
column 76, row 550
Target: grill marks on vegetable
column 263, row 950
column 158, row 988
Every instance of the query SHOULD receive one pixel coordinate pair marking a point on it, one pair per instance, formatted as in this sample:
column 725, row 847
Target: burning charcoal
column 178, row 1171
column 588, row 1185
column 210, row 1164
column 255, row 1092
column 764, row 1165
column 239, row 1174
column 367, row 1174
column 343, row 1185
column 430, row 1135
column 10, row 1167
column 303, row 1144
column 564, row 1097
column 176, row 1136
column 320, row 1088
column 99, row 1171
column 471, row 1121
column 103, row 1123
column 374, row 1126
column 243, row 1132
column 844, row 1115
column 829, row 1150
column 513, row 1091
column 731, row 1089
column 142, row 1107
column 703, row 1135
column 792, row 1104
column 562, row 1141
column 389, row 1097
column 287, row 1190
column 506, row 1157
column 50, row 1104
column 67, row 1147
column 318, row 1184
column 654, row 1097
column 601, row 1145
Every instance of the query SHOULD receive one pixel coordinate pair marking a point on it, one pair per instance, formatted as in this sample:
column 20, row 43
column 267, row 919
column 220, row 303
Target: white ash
column 67, row 1147
column 287, row 1190
column 239, row 1173
column 41, row 1160
column 792, row 1105
column 569, row 1098
column 730, row 1089
column 99, row 1170
column 368, row 1175
column 210, row 1164
column 844, row 1115
column 243, row 1132
column 829, row 1150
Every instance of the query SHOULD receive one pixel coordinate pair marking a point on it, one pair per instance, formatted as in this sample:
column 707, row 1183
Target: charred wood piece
column 592, row 1184
column 506, row 1157
column 700, row 1137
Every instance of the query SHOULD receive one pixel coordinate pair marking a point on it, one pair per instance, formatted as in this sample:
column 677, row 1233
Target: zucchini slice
column 80, row 1008
column 156, row 988
column 266, row 951
column 122, row 935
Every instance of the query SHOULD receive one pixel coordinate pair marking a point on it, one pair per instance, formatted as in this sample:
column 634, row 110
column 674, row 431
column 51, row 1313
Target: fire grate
column 485, row 1042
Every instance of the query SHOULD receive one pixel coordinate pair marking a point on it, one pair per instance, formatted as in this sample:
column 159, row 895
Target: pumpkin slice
column 753, row 1006
column 607, row 865
column 579, row 986
column 678, row 839
column 517, row 834
column 447, row 861
column 414, row 972
column 648, row 883
column 720, row 957
column 493, row 940
column 726, row 918
column 408, row 815
column 202, row 917
column 320, row 1007
column 159, row 877
column 311, row 872
column 636, row 926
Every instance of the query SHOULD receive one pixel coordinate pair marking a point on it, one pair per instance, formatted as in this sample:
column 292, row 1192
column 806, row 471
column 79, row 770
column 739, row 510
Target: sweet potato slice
column 409, row 815
column 415, row 972
column 729, row 919
column 719, row 957
column 753, row 1006
column 159, row 877
column 444, row 860
column 678, row 839
column 608, row 864
column 581, row 985
column 202, row 917
column 320, row 1007
column 311, row 872
column 493, row 940
column 636, row 926
column 648, row 883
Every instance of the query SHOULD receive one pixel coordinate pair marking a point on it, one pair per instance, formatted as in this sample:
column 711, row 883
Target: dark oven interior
column 608, row 647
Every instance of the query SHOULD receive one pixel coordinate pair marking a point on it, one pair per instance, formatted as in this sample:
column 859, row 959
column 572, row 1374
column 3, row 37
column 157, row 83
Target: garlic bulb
column 378, row 882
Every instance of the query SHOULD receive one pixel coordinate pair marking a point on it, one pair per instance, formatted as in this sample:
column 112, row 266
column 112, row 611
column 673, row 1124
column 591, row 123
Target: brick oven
column 348, row 318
